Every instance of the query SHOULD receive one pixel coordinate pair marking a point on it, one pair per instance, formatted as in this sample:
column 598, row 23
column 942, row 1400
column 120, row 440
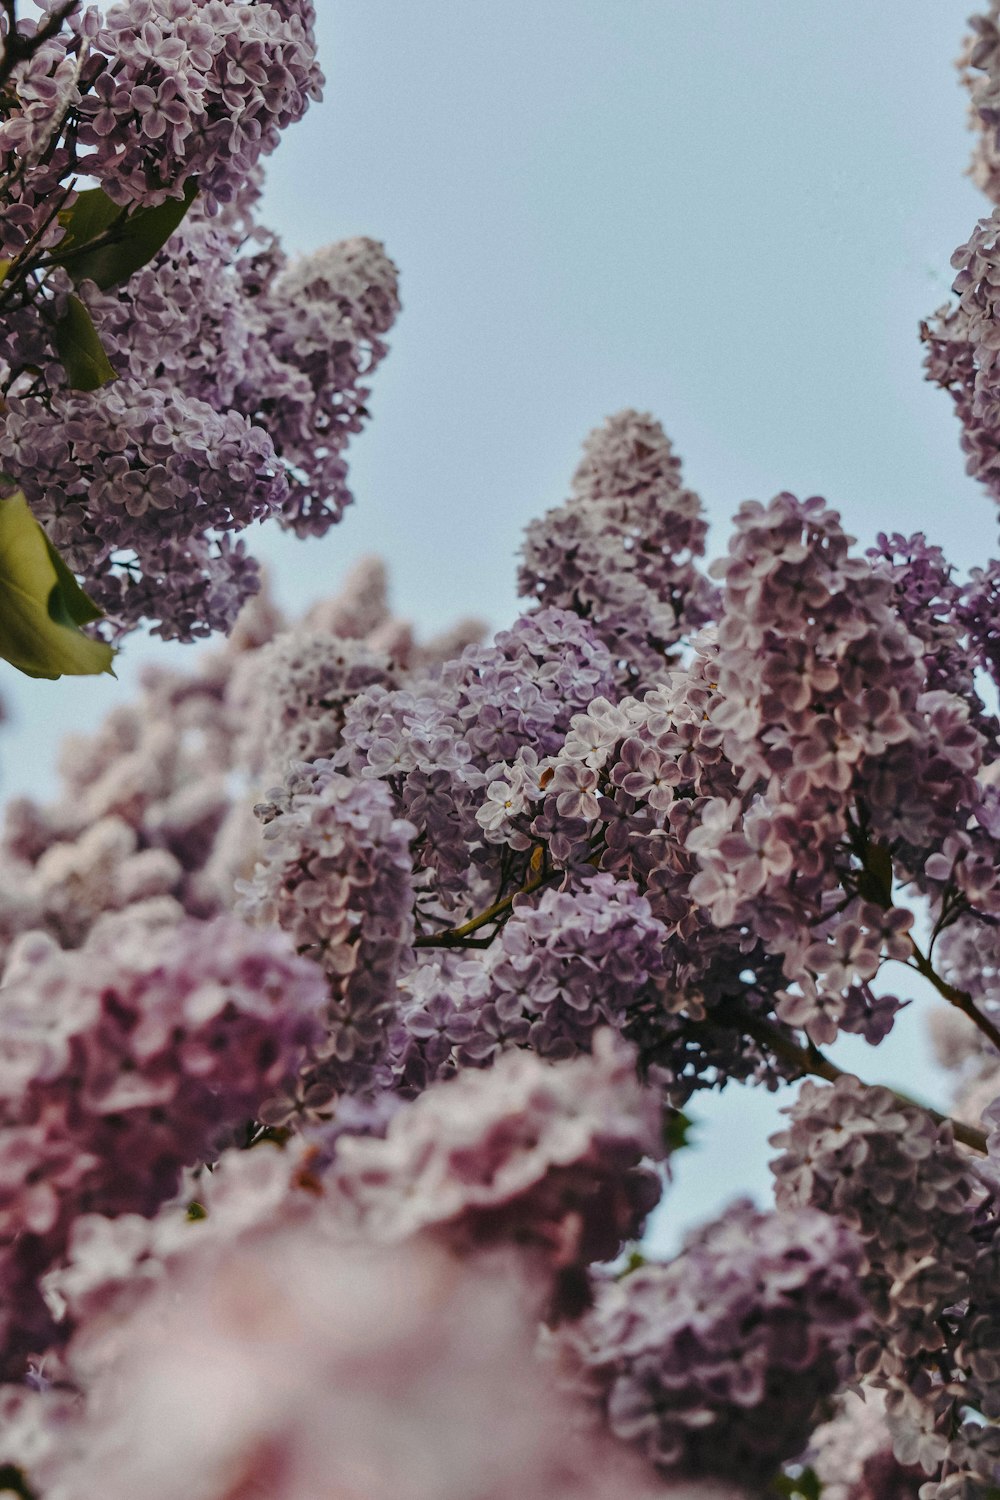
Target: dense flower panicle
column 186, row 321
column 961, row 351
column 846, row 750
column 337, row 875
column 44, row 88
column 289, row 345
column 927, row 1220
column 240, row 377
column 132, row 478
column 714, row 1363
column 545, row 1155
column 980, row 71
column 573, row 961
column 940, row 613
column 890, row 1172
column 621, row 551
column 192, row 88
column 326, row 317
column 436, row 740
column 155, row 805
column 125, row 1062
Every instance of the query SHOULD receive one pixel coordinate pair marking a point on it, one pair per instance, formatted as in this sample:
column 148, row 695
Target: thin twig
column 961, row 999
column 461, row 937
column 18, row 47
column 809, row 1059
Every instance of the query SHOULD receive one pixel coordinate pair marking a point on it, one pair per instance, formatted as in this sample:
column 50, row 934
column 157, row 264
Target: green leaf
column 802, row 1486
column 634, row 1261
column 678, row 1129
column 41, row 604
column 91, row 214
column 105, row 245
column 79, row 346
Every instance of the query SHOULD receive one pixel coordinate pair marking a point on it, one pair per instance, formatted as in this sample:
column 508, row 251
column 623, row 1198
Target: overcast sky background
column 731, row 216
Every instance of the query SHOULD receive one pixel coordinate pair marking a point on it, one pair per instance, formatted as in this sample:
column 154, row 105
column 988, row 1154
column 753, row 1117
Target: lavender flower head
column 714, row 1363
column 621, row 551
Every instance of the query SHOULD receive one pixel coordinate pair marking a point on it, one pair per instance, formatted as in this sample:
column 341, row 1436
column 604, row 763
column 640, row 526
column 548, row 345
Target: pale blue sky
column 733, row 216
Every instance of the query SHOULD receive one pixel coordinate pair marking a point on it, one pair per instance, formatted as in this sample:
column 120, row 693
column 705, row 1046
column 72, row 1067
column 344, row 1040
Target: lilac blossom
column 715, row 1362
column 337, row 875
column 123, row 1064
column 191, row 89
column 549, row 1156
column 621, row 552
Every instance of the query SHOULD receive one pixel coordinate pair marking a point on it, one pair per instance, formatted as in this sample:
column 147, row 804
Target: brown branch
column 462, row 937
column 961, row 999
column 810, row 1060
column 18, row 46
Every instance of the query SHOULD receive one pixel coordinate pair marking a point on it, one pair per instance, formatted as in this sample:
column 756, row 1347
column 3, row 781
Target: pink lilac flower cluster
column 412, row 1374
column 419, row 1318
column 549, row 1158
column 123, row 1063
column 715, row 1362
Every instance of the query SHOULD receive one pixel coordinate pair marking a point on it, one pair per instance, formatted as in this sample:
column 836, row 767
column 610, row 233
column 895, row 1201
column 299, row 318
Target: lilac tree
column 354, row 987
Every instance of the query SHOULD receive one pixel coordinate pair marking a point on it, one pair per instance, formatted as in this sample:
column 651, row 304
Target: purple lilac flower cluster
column 621, row 551
column 573, row 961
column 35, row 160
column 929, row 1225
column 191, row 88
column 715, row 1363
column 155, row 808
column 436, row 740
column 980, row 70
column 133, row 483
column 528, row 874
column 239, row 377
